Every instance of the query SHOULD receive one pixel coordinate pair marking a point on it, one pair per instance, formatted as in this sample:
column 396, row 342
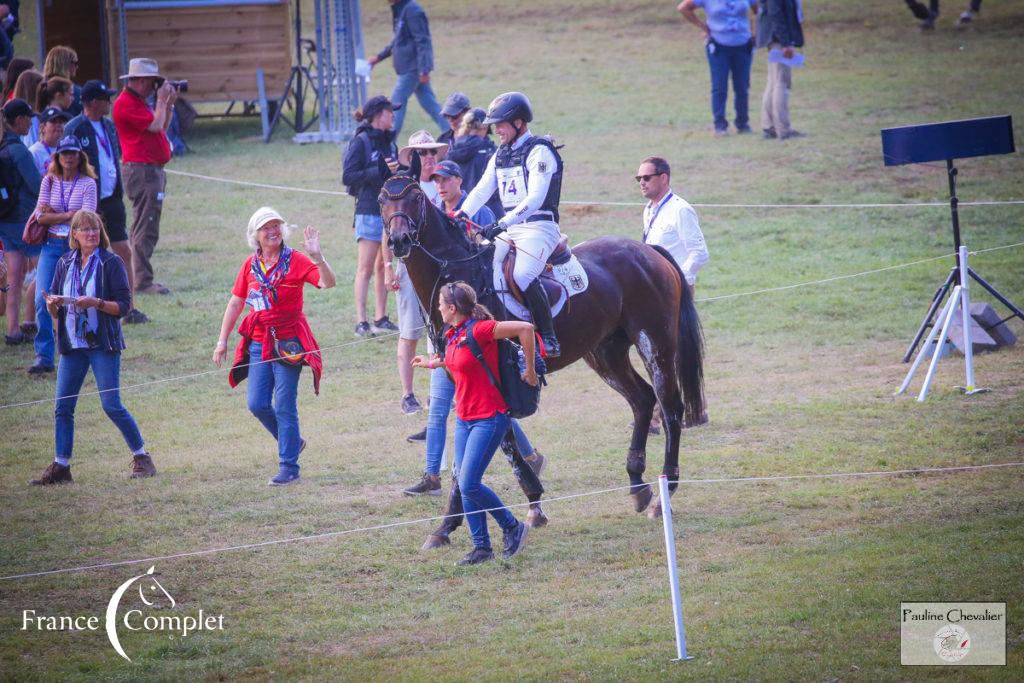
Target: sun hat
column 143, row 67
column 421, row 139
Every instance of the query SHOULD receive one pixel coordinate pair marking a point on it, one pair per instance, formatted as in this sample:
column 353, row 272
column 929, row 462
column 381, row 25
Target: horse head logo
column 150, row 592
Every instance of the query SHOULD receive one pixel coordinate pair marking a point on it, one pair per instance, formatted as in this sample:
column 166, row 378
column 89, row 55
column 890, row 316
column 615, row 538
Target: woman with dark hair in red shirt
column 482, row 416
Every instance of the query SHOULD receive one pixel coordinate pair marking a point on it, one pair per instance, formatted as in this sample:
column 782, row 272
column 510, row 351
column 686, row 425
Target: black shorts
column 115, row 218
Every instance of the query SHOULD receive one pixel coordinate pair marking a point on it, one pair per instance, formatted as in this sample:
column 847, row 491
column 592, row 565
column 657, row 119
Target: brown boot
column 54, row 474
column 142, row 466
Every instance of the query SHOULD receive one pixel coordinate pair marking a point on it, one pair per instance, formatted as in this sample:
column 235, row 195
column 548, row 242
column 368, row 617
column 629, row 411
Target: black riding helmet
column 509, row 107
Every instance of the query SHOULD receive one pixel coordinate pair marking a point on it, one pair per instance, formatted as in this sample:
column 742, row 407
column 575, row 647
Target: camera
column 180, row 86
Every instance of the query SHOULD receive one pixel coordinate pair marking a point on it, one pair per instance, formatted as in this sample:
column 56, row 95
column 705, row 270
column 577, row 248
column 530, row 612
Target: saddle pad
column 571, row 275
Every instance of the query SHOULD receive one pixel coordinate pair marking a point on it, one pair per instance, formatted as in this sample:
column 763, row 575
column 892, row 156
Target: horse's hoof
column 642, row 498
column 435, row 541
column 655, row 511
column 536, row 518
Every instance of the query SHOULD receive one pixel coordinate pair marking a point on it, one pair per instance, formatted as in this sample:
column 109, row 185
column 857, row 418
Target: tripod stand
column 299, row 86
column 947, row 142
column 954, row 274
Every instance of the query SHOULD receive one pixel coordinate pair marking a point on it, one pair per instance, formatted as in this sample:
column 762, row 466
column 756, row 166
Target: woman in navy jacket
column 374, row 141
column 88, row 297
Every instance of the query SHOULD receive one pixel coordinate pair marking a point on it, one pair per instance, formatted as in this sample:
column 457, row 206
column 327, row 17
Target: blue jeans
column 273, row 399
column 475, row 443
column 54, row 248
column 723, row 60
column 442, row 391
column 405, row 86
column 106, row 368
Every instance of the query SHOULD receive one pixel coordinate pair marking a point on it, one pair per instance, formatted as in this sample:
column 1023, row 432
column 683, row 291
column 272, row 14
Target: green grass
column 795, row 580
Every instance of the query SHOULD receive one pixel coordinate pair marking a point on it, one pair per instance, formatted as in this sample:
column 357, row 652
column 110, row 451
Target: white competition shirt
column 520, row 202
column 672, row 224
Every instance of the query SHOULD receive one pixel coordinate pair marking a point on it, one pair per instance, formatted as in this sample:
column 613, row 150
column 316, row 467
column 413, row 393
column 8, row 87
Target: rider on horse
column 526, row 171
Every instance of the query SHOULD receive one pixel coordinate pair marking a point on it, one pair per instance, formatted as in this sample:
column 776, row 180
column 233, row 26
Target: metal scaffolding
column 339, row 43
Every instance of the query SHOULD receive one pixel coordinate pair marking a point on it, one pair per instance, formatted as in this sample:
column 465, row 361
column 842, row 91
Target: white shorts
column 411, row 324
column 535, row 241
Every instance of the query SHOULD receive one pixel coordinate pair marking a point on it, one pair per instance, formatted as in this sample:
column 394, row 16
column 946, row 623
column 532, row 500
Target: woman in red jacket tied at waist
column 483, row 418
column 276, row 339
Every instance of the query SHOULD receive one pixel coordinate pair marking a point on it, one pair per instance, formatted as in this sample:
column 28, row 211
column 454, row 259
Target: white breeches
column 534, row 241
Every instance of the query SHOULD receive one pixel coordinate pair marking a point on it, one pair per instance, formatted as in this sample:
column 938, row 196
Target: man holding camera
column 144, row 149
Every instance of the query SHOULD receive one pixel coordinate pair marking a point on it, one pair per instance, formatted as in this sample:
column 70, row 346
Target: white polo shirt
column 672, row 224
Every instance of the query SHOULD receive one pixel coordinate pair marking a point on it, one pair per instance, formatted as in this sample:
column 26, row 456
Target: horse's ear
column 414, row 166
column 382, row 166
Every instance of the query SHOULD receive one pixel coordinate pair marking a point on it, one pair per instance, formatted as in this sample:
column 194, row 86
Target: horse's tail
column 689, row 352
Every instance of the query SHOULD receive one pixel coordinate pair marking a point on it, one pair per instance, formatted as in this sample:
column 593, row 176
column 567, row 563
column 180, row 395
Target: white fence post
column 673, row 570
column 965, row 305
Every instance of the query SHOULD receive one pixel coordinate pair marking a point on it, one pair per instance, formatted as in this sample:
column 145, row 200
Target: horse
column 636, row 297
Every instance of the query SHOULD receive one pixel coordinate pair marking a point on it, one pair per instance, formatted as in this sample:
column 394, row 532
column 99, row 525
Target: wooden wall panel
column 217, row 49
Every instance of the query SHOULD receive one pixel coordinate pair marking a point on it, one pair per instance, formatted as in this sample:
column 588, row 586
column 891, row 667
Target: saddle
column 561, row 255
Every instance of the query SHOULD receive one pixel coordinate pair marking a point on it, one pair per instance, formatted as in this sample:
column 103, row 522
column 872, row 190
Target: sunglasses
column 427, row 152
column 647, row 178
column 87, row 230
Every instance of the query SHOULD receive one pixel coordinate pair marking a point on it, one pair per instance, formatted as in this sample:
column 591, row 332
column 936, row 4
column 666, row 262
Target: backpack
column 364, row 143
column 10, row 182
column 521, row 398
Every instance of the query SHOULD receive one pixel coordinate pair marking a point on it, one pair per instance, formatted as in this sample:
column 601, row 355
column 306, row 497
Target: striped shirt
column 66, row 195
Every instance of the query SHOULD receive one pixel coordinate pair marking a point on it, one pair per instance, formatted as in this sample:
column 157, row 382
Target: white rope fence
column 573, row 496
column 890, row 205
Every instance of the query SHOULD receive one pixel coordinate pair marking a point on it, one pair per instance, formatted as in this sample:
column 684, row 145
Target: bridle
column 393, row 194
column 408, row 188
column 412, row 185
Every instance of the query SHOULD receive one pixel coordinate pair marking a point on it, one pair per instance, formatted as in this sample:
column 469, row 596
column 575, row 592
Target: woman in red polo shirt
column 276, row 339
column 482, row 416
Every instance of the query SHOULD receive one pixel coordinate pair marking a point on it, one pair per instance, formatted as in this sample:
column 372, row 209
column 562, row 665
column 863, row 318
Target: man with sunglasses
column 526, row 171
column 669, row 220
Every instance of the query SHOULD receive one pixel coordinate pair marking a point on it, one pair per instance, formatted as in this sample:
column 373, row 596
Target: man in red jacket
column 144, row 151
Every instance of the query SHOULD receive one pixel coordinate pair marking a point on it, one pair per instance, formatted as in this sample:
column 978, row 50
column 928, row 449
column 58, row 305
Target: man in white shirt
column 669, row 220
column 526, row 171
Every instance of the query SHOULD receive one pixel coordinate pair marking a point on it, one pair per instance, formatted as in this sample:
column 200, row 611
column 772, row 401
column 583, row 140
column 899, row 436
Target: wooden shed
column 218, row 46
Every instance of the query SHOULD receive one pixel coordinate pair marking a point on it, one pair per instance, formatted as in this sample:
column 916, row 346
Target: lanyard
column 83, row 276
column 102, row 137
column 66, row 202
column 657, row 210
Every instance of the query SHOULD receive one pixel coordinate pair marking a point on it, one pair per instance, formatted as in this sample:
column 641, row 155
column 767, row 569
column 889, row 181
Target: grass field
column 794, row 580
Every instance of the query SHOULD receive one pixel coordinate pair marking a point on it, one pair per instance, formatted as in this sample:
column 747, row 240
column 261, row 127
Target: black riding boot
column 537, row 300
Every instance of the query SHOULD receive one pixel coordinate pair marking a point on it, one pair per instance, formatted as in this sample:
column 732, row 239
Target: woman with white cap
column 276, row 340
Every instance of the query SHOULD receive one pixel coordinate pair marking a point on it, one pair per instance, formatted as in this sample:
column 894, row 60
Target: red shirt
column 285, row 313
column 476, row 398
column 132, row 117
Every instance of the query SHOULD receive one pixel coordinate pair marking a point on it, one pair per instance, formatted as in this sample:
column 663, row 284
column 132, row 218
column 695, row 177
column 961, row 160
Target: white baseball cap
column 263, row 215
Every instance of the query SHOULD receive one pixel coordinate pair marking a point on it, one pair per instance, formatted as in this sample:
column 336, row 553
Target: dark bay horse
column 636, row 297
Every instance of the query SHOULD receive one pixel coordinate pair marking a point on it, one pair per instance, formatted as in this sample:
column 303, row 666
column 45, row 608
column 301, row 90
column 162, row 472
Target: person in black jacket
column 413, row 53
column 98, row 136
column 361, row 174
column 88, row 297
column 778, row 28
column 471, row 149
column 19, row 175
